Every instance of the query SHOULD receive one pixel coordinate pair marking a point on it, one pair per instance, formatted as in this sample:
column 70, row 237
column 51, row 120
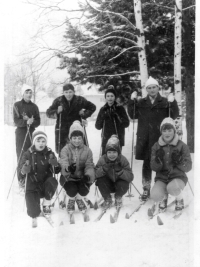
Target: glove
column 170, row 98
column 72, row 168
column 86, row 179
column 134, row 95
column 81, row 112
column 114, row 113
column 30, row 121
column 26, row 168
column 176, row 157
column 52, row 160
column 159, row 155
column 60, row 109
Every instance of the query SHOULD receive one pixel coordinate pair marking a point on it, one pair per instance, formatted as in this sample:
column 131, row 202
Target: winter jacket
column 30, row 109
column 69, row 114
column 166, row 170
column 149, row 118
column 83, row 158
column 119, row 169
column 108, row 121
column 40, row 167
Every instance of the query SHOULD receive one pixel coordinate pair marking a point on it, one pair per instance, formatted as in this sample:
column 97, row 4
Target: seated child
column 76, row 160
column 39, row 163
column 170, row 159
column 113, row 173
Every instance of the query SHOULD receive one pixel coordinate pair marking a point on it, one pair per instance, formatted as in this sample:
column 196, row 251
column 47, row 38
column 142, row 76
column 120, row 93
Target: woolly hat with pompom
column 168, row 121
column 113, row 144
column 110, row 90
column 76, row 126
column 38, row 134
column 151, row 81
column 25, row 87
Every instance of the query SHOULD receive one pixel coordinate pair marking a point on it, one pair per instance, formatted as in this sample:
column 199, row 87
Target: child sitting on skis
column 76, row 160
column 170, row 159
column 113, row 173
column 37, row 167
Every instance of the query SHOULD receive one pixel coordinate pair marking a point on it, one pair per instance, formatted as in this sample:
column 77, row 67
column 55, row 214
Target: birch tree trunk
column 141, row 43
column 177, row 62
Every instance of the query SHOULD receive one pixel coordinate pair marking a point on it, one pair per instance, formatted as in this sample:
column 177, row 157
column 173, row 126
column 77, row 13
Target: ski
column 71, row 218
column 103, row 211
column 48, row 218
column 86, row 217
column 152, row 210
column 179, row 212
column 116, row 215
column 34, row 222
column 135, row 210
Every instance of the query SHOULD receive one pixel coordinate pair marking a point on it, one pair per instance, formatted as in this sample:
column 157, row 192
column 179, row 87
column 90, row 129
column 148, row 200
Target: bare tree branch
column 119, row 74
column 124, row 51
column 188, row 7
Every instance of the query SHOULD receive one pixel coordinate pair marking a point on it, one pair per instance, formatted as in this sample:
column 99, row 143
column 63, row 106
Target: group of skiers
column 157, row 145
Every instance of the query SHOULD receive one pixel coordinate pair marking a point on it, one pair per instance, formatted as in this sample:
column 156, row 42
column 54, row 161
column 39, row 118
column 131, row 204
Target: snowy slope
column 136, row 242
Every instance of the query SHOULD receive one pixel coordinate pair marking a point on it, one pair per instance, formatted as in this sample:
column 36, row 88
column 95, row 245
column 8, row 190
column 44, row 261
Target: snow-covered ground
column 137, row 242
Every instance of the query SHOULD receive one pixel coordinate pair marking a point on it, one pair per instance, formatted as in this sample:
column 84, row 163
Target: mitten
column 159, row 155
column 176, row 157
column 72, row 168
column 52, row 160
column 86, row 179
column 26, row 168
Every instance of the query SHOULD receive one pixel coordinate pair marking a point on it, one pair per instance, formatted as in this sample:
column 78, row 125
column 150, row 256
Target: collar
column 24, row 102
column 32, row 149
column 74, row 147
column 158, row 97
column 174, row 141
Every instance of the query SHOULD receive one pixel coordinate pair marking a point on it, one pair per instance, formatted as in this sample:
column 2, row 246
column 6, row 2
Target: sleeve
column 36, row 116
column 99, row 172
column 99, row 121
column 132, row 104
column 89, row 108
column 52, row 110
column 18, row 119
column 124, row 117
column 89, row 166
column 174, row 111
column 64, row 161
column 154, row 165
column 126, row 173
column 186, row 164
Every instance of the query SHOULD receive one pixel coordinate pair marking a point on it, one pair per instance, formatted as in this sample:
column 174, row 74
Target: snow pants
column 20, row 134
column 160, row 188
column 73, row 188
column 106, row 187
column 46, row 190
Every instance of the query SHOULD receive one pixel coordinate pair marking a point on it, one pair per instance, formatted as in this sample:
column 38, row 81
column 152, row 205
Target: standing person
column 76, row 160
column 150, row 112
column 39, row 163
column 112, row 119
column 170, row 159
column 26, row 117
column 66, row 109
column 113, row 173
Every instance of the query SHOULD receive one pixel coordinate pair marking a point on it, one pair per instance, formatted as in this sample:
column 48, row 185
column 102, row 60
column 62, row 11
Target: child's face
column 77, row 140
column 110, row 98
column 112, row 155
column 168, row 135
column 69, row 94
column 40, row 143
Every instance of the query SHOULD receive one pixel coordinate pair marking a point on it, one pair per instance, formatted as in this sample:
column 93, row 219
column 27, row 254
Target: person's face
column 27, row 95
column 40, row 143
column 69, row 94
column 110, row 98
column 77, row 140
column 112, row 155
column 168, row 135
column 152, row 90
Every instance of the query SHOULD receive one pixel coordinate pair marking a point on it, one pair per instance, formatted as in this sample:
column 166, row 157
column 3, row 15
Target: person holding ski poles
column 112, row 119
column 78, row 174
column 170, row 159
column 113, row 173
column 150, row 112
column 37, row 168
column 68, row 108
column 26, row 117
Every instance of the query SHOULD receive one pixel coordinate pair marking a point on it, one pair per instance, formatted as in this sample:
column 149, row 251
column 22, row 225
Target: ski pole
column 57, row 187
column 191, row 188
column 18, row 160
column 27, row 163
column 102, row 136
column 86, row 139
column 59, row 136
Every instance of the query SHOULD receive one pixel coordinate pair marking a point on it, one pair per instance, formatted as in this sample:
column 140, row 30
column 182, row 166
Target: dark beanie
column 68, row 86
column 113, row 144
column 110, row 90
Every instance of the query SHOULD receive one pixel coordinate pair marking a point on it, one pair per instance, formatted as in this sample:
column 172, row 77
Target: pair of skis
column 86, row 217
column 47, row 217
column 113, row 219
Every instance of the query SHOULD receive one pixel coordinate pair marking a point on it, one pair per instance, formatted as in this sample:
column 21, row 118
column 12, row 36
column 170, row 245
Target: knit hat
column 168, row 121
column 68, row 86
column 76, row 126
column 110, row 90
column 113, row 144
column 25, row 87
column 151, row 81
column 38, row 134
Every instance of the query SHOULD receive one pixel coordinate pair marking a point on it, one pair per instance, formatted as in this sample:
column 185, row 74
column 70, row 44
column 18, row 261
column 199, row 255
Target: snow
column 135, row 242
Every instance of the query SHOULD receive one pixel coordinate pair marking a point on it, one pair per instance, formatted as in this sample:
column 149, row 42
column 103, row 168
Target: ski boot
column 146, row 194
column 179, row 205
column 107, row 203
column 47, row 210
column 163, row 204
column 71, row 206
column 89, row 203
column 62, row 204
column 34, row 222
column 81, row 205
column 118, row 202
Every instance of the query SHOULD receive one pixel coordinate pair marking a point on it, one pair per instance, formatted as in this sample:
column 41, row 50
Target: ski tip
column 95, row 206
column 150, row 213
column 61, row 223
column 159, row 221
column 86, row 218
column 127, row 216
column 112, row 220
column 91, row 205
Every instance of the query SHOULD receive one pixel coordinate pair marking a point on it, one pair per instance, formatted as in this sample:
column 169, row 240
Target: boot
column 81, row 205
column 179, row 205
column 146, row 194
column 47, row 210
column 71, row 205
column 118, row 202
column 163, row 204
column 107, row 203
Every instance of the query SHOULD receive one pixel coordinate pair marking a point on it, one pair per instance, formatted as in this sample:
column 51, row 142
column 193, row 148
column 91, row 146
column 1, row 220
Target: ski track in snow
column 137, row 242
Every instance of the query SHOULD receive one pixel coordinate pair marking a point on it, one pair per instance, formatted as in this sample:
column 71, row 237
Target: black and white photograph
column 99, row 159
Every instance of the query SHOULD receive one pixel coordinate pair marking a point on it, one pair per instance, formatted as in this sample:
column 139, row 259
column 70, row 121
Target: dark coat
column 165, row 170
column 41, row 170
column 69, row 114
column 149, row 118
column 122, row 122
